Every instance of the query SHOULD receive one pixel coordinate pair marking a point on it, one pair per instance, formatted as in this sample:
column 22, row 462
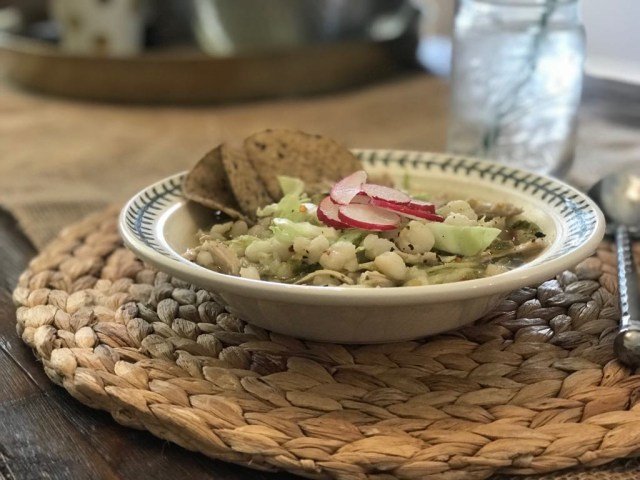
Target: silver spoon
column 618, row 195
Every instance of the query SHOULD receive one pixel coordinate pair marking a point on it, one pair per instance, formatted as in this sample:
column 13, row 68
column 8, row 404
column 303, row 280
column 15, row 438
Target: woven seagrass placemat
column 531, row 388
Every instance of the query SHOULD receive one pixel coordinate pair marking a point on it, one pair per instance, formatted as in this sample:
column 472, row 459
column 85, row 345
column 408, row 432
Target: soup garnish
column 363, row 234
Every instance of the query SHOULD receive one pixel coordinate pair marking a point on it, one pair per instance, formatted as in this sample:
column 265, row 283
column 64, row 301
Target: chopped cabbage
column 291, row 185
column 292, row 207
column 352, row 235
column 462, row 240
column 240, row 244
column 286, row 231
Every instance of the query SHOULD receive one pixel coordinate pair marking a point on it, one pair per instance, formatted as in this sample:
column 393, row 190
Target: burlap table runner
column 61, row 159
column 533, row 387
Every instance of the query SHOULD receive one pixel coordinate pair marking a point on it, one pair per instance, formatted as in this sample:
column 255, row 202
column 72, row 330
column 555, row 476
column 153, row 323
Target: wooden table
column 45, row 433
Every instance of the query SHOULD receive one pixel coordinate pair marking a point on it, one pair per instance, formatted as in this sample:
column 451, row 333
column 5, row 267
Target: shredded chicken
column 427, row 258
column 524, row 249
column 374, row 279
column 217, row 256
column 499, row 209
column 331, row 273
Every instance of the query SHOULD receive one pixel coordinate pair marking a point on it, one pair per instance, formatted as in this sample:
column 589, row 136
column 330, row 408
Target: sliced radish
column 420, row 205
column 387, row 194
column 407, row 210
column 368, row 217
column 346, row 189
column 361, row 198
column 328, row 214
column 432, row 217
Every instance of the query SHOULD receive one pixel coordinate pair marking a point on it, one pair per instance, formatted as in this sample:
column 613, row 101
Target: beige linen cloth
column 61, row 159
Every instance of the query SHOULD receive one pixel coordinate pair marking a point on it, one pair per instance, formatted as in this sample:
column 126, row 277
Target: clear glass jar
column 516, row 82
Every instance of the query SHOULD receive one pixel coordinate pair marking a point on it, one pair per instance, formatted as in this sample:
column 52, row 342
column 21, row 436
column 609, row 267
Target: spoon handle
column 627, row 342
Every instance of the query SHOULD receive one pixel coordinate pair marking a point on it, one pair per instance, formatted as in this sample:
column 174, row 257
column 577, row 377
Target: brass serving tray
column 189, row 76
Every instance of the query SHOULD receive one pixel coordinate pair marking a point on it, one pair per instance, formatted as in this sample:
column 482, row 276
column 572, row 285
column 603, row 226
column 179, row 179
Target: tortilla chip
column 382, row 179
column 248, row 189
column 312, row 158
column 207, row 185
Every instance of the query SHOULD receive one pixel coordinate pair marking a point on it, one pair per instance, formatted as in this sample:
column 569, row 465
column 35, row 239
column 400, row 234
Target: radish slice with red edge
column 346, row 189
column 407, row 210
column 432, row 217
column 387, row 194
column 328, row 214
column 368, row 217
column 420, row 205
column 361, row 198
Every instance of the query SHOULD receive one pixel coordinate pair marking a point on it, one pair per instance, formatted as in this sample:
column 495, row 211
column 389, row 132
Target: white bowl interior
column 181, row 225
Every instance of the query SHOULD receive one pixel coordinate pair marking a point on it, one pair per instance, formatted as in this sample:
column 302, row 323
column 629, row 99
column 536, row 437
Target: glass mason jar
column 516, row 82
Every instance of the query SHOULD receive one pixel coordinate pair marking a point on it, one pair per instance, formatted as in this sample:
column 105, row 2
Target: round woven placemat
column 531, row 388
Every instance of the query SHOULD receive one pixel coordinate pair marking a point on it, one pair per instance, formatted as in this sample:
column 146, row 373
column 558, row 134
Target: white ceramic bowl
column 158, row 224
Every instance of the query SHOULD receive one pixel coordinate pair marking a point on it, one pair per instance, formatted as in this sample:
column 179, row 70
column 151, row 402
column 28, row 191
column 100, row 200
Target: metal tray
column 190, row 76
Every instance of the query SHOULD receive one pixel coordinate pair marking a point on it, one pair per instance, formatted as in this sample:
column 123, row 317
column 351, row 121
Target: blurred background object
column 228, row 27
column 516, row 82
column 98, row 27
column 189, row 59
column 436, row 25
column 10, row 20
column 613, row 46
column 195, row 51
